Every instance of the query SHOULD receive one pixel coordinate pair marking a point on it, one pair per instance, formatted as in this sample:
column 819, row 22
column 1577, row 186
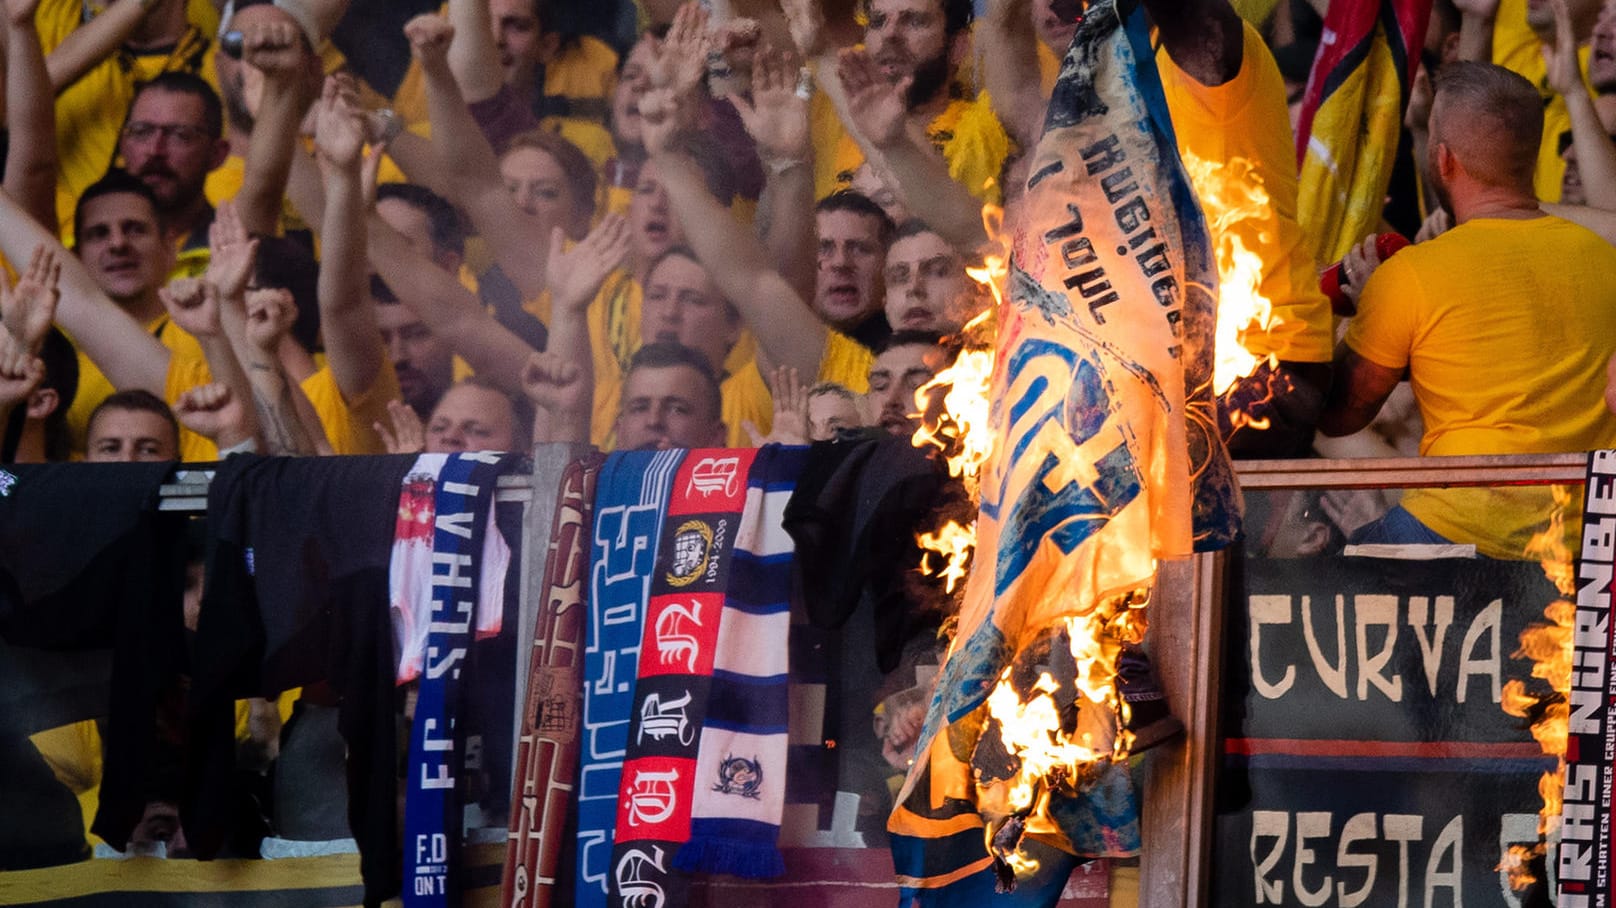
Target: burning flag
column 1104, row 458
column 1352, row 115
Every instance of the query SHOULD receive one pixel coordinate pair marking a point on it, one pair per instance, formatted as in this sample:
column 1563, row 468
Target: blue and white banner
column 1106, row 453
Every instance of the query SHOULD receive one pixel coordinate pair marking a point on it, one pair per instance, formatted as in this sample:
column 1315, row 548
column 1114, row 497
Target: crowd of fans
column 751, row 222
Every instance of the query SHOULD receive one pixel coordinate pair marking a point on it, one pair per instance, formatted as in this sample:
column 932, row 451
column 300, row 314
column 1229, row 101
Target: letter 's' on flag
column 1352, row 116
column 1106, row 459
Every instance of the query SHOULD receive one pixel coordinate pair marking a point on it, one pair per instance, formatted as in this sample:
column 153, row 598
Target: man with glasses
column 173, row 138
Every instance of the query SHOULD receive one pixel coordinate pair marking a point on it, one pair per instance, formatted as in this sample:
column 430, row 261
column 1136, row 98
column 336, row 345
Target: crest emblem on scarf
column 7, row 482
column 692, row 544
column 738, row 775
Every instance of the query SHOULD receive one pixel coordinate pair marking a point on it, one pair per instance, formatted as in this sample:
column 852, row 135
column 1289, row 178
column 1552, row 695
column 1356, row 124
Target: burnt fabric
column 88, row 562
column 1105, row 458
column 297, row 592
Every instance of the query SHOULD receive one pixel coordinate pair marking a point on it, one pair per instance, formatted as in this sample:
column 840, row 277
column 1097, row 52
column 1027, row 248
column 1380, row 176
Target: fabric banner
column 741, row 764
column 433, row 811
column 680, row 641
column 1368, row 758
column 1352, row 116
column 630, row 503
column 1584, row 862
column 547, row 750
column 1106, row 455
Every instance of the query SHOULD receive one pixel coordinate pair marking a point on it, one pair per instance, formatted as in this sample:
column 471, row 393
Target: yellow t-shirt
column 584, row 75
column 349, row 425
column 967, row 133
column 95, row 387
column 1245, row 118
column 1505, row 327
column 184, row 373
column 91, row 111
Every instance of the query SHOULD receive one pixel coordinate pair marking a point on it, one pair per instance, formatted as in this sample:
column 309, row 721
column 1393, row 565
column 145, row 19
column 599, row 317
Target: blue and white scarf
column 631, row 500
column 433, row 813
column 741, row 761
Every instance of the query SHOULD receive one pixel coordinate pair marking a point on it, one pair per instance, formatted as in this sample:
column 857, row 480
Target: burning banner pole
column 1104, row 458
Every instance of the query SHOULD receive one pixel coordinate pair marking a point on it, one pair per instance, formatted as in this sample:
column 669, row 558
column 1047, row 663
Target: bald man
column 1504, row 323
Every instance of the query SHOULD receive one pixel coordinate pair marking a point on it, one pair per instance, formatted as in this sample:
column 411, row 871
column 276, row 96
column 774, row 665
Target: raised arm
column 1476, row 19
column 281, row 53
column 473, row 60
column 777, row 120
column 126, row 354
column 1596, row 155
column 447, row 308
column 95, row 40
column 562, row 380
column 517, row 239
column 787, row 331
column 347, row 317
column 31, row 158
column 219, row 411
column 1009, row 55
column 256, row 322
column 1205, row 38
column 876, row 110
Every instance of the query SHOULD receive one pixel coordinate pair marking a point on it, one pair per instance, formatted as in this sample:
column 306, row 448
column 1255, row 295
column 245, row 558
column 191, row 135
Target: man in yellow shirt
column 95, row 65
column 172, row 139
column 1227, row 101
column 923, row 43
column 1504, row 323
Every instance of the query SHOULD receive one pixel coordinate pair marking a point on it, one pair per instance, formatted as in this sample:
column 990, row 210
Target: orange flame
column 1549, row 646
column 1231, row 192
column 955, row 544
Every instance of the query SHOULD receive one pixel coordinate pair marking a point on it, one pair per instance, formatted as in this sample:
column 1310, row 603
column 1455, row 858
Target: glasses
column 179, row 133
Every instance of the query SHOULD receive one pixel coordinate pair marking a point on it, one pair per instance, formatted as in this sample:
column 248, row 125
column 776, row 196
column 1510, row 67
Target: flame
column 955, row 544
column 957, row 421
column 1232, row 192
column 1549, row 646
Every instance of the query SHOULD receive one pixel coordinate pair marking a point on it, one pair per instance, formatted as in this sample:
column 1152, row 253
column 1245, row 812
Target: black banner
column 1367, row 758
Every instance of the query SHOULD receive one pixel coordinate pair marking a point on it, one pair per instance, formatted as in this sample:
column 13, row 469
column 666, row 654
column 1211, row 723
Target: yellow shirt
column 584, row 74
column 1245, row 117
column 1505, row 327
column 967, row 134
column 95, row 387
column 349, row 425
column 184, row 373
column 91, row 111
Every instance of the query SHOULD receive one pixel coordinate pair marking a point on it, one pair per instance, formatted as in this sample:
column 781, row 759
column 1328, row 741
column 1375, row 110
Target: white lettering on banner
column 660, row 720
column 672, row 642
column 1350, row 879
column 652, row 797
column 715, row 474
column 1375, row 636
column 633, row 882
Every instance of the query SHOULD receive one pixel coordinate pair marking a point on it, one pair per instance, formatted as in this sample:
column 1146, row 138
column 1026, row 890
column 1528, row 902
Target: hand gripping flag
column 1352, row 115
column 1106, row 459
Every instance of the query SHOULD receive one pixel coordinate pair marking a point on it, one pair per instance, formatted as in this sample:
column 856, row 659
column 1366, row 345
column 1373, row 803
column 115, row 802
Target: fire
column 956, row 421
column 1231, row 192
column 955, row 544
column 1050, row 735
column 1549, row 648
